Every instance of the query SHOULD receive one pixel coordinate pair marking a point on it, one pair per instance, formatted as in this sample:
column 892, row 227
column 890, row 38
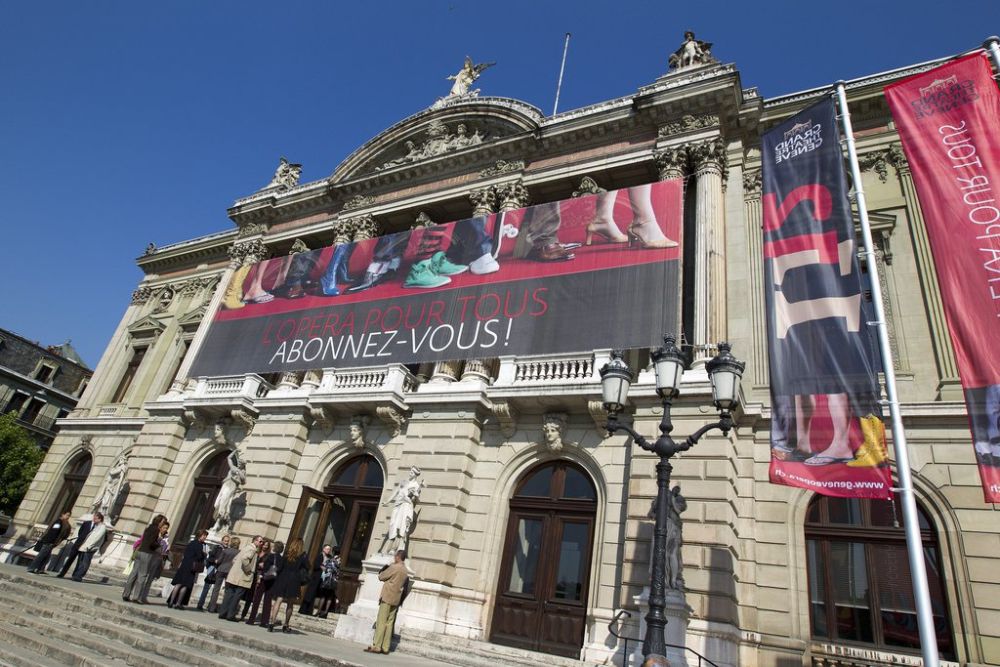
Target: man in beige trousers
column 394, row 578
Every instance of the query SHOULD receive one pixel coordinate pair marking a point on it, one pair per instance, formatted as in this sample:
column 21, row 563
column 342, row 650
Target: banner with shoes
column 597, row 271
column 949, row 122
column 827, row 431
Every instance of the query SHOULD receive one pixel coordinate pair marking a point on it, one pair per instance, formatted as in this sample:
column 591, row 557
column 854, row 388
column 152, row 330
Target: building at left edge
column 533, row 526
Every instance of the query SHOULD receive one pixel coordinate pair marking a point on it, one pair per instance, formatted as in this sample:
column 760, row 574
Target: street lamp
column 724, row 371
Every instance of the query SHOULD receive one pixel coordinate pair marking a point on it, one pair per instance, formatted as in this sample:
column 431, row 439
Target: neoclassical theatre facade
column 532, row 527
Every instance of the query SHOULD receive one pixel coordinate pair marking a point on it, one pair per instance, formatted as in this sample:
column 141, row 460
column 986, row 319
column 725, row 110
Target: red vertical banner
column 948, row 120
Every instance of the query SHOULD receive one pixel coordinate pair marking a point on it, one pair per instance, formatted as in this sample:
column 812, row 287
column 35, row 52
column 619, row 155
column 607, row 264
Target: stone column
column 755, row 257
column 950, row 388
column 241, row 253
column 512, row 196
column 710, row 246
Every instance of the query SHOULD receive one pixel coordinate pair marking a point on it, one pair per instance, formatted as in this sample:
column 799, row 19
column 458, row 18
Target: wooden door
column 541, row 600
column 198, row 513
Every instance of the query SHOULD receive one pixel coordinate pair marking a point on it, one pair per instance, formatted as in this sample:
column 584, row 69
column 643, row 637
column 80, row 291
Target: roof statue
column 692, row 52
column 286, row 176
column 464, row 79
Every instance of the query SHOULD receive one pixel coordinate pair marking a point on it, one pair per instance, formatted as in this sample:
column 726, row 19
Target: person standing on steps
column 268, row 573
column 94, row 541
column 293, row 574
column 240, row 577
column 74, row 552
column 214, row 561
column 147, row 552
column 395, row 579
column 192, row 563
column 57, row 532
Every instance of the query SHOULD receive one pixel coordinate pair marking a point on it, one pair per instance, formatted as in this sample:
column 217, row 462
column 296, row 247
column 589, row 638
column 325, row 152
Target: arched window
column 74, row 478
column 859, row 576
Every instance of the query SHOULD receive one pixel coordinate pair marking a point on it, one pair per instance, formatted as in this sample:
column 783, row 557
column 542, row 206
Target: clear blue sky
column 130, row 122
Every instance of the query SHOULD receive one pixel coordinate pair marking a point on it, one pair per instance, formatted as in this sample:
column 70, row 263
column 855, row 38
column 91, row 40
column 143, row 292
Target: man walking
column 56, row 533
column 394, row 578
column 90, row 545
column 240, row 578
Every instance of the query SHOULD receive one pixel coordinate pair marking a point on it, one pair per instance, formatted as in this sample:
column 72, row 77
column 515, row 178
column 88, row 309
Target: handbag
column 199, row 566
column 210, row 577
column 271, row 573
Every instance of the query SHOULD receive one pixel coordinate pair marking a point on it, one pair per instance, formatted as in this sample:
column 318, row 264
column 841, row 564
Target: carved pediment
column 146, row 329
column 189, row 323
column 433, row 133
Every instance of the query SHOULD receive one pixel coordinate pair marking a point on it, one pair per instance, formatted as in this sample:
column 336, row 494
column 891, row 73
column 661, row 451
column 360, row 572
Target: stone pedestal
column 677, row 613
column 358, row 624
column 117, row 554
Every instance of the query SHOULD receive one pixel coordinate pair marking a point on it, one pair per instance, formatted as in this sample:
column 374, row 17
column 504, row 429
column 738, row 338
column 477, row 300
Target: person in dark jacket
column 326, row 592
column 265, row 581
column 146, row 552
column 293, row 574
column 81, row 537
column 214, row 561
column 192, row 562
column 309, row 595
column 56, row 533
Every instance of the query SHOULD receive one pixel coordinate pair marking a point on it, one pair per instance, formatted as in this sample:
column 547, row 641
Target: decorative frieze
column 688, row 123
column 141, row 295
column 358, row 201
column 502, row 167
column 879, row 161
column 196, row 285
column 588, row 186
column 440, row 140
column 251, row 229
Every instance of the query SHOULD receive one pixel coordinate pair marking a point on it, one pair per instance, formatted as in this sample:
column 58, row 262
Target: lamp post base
column 677, row 613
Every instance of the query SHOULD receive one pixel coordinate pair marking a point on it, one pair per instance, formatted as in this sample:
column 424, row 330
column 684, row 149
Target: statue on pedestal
column 114, row 481
column 403, row 499
column 235, row 479
column 286, row 176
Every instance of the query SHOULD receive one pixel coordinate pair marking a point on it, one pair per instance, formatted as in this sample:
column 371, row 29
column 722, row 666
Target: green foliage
column 19, row 461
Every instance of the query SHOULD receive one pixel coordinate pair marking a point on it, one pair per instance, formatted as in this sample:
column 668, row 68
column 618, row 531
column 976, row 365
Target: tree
column 19, row 461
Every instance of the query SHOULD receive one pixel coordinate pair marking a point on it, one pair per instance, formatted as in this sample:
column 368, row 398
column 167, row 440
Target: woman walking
column 192, row 563
column 293, row 573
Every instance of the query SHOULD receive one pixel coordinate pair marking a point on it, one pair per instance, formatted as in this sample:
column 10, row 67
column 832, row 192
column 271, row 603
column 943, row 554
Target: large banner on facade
column 827, row 432
column 949, row 121
column 592, row 272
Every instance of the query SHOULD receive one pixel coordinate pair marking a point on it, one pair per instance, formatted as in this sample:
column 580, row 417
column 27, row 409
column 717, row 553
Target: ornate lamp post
column 724, row 371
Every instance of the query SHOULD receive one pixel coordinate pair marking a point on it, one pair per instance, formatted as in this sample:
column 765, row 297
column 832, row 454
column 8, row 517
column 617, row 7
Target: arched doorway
column 74, row 478
column 342, row 515
column 541, row 600
column 200, row 505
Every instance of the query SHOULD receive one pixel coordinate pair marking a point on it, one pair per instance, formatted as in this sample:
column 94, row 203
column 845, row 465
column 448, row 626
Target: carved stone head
column 359, row 424
column 553, row 429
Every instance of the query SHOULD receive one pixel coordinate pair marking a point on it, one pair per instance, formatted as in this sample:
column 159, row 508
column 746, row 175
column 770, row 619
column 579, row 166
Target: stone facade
column 41, row 384
column 475, row 428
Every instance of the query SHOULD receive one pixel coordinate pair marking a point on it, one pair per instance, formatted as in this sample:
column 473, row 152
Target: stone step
column 52, row 650
column 208, row 635
column 12, row 654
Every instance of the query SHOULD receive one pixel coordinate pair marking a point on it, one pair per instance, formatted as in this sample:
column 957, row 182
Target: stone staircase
column 46, row 622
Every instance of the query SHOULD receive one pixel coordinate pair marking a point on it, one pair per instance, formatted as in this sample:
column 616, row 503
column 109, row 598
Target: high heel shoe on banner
column 606, row 230
column 648, row 235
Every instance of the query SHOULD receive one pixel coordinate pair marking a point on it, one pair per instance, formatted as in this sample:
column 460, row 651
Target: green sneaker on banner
column 422, row 276
column 442, row 267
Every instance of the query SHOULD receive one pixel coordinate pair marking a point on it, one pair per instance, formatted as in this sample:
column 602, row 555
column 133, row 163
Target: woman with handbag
column 265, row 582
column 293, row 574
column 192, row 564
column 326, row 592
column 146, row 552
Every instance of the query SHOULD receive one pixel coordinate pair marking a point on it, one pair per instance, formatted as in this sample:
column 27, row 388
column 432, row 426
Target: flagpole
column 991, row 47
column 562, row 68
column 914, row 546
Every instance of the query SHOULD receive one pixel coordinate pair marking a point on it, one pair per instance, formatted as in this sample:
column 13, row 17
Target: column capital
column 710, row 156
column 512, row 195
column 484, row 200
column 343, row 230
column 752, row 182
column 365, row 227
column 247, row 252
column 672, row 162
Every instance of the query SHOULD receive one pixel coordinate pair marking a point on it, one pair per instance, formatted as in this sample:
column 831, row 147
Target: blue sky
column 125, row 123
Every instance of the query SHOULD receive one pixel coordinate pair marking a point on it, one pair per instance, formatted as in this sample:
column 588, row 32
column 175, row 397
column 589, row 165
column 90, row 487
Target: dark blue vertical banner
column 827, row 432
